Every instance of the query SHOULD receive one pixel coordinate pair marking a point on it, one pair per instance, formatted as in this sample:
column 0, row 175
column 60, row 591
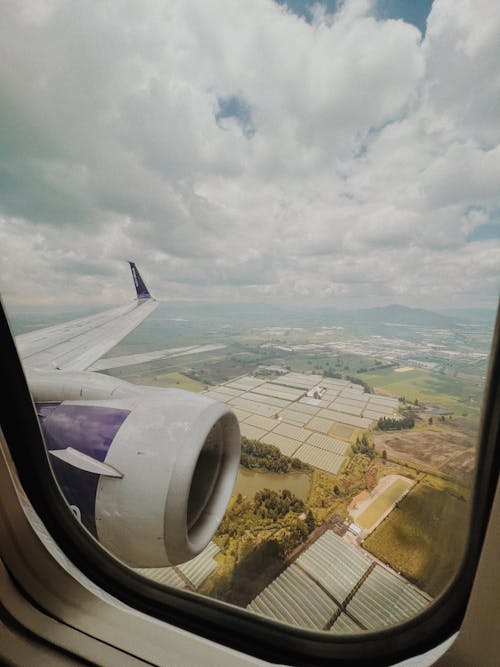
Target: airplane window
column 281, row 410
column 351, row 503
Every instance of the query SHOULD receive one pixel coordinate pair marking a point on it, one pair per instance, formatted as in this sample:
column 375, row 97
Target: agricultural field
column 423, row 536
column 345, row 432
column 428, row 387
column 173, row 380
column 255, row 548
column 294, row 598
column 318, row 362
column 450, row 448
column 190, row 574
column 383, row 600
column 331, row 577
column 334, row 564
column 383, row 503
column 179, row 381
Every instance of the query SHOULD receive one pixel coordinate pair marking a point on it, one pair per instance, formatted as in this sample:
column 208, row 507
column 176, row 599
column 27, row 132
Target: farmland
column 423, row 536
column 172, row 380
column 332, row 577
column 382, row 503
column 428, row 387
column 438, row 454
column 450, row 448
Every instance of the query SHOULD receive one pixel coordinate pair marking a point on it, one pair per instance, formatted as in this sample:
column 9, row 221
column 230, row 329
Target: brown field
column 450, row 450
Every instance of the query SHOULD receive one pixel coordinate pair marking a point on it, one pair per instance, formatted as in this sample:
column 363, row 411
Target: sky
column 344, row 153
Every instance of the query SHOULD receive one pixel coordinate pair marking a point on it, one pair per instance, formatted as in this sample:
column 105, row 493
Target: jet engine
column 149, row 471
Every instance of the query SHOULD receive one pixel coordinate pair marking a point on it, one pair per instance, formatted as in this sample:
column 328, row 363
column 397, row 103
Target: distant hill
column 400, row 315
column 266, row 314
column 486, row 315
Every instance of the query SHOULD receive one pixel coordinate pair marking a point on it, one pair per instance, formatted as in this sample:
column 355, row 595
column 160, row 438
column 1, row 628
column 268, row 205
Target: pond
column 249, row 482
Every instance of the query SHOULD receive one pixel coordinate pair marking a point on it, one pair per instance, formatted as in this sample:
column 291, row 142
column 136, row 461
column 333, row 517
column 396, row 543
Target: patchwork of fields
column 317, row 430
column 428, row 523
column 429, row 387
column 334, row 585
column 337, row 587
column 187, row 575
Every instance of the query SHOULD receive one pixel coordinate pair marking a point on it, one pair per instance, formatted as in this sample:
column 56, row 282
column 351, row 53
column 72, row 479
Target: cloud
column 240, row 152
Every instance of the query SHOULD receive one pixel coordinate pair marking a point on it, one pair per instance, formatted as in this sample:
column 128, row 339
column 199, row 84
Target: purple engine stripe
column 89, row 429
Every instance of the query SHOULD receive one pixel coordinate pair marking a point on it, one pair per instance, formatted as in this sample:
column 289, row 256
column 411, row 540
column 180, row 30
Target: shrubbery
column 356, row 380
column 364, row 446
column 389, row 424
column 267, row 457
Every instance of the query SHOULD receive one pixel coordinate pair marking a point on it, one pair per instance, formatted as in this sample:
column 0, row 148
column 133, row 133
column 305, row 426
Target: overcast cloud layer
column 240, row 153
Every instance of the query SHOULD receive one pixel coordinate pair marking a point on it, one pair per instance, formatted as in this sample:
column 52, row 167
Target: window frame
column 224, row 624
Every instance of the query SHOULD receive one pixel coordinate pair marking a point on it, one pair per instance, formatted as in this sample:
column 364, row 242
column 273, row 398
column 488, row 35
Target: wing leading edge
column 77, row 344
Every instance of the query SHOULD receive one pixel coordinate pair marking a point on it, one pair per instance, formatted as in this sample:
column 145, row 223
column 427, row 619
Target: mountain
column 396, row 314
column 259, row 314
column 486, row 315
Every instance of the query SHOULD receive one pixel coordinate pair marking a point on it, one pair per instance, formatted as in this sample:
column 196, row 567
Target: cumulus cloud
column 240, row 152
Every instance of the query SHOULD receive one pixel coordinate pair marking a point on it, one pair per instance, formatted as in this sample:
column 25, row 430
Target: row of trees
column 355, row 380
column 408, row 401
column 257, row 455
column 378, row 366
column 390, row 424
column 329, row 373
column 332, row 374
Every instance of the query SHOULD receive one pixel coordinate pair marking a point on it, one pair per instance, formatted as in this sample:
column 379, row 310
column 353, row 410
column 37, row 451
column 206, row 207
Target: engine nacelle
column 169, row 459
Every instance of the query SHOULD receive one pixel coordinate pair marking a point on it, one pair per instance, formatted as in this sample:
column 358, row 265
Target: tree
column 364, row 446
column 256, row 454
column 384, row 455
column 355, row 380
column 390, row 424
column 310, row 522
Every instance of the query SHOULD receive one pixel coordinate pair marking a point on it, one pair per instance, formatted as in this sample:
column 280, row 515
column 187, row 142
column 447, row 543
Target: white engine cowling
column 177, row 453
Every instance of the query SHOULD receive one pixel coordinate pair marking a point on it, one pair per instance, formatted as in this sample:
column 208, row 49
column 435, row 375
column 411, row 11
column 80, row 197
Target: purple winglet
column 140, row 286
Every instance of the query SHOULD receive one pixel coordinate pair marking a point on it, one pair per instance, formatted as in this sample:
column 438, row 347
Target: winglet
column 140, row 286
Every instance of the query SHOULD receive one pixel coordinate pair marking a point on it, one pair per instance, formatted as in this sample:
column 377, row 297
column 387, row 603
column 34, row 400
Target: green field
column 312, row 362
column 171, row 380
column 381, row 504
column 179, row 381
column 423, row 537
column 443, row 390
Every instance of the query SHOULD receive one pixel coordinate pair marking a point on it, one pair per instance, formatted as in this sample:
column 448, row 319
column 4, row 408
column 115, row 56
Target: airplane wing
column 105, row 437
column 77, row 344
column 143, row 357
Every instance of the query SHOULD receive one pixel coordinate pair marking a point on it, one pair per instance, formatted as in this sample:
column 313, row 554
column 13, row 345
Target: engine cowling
column 169, row 458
